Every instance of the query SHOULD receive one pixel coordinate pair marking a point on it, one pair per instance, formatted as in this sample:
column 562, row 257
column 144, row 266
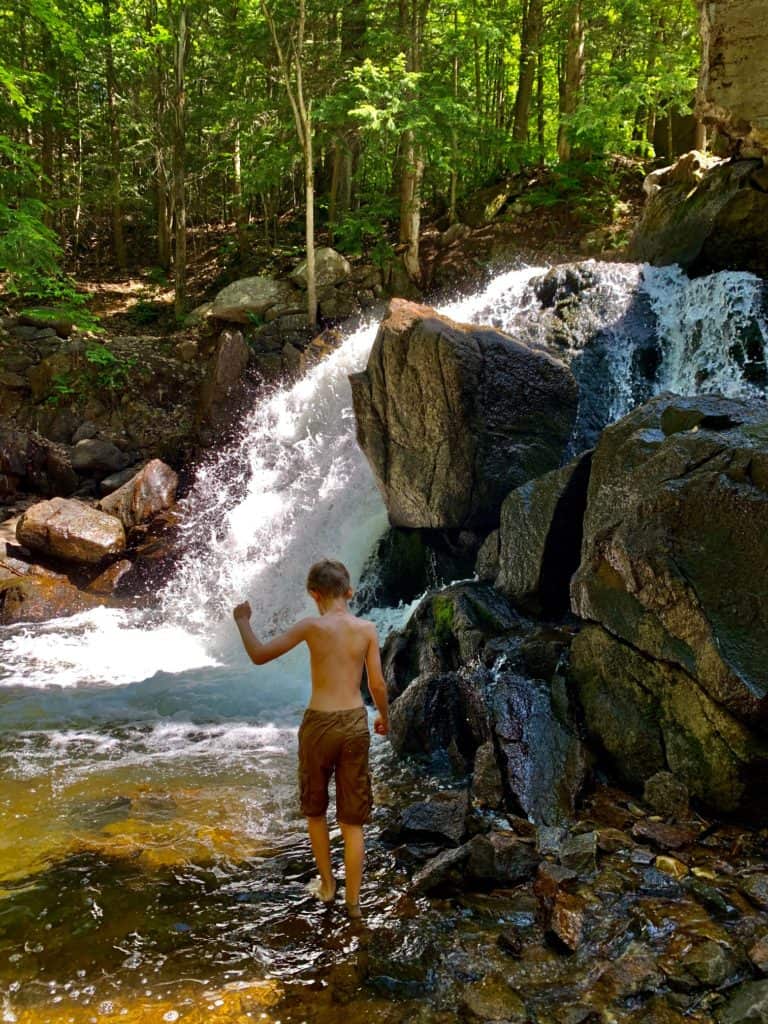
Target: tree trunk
column 573, row 78
column 181, row 53
column 413, row 16
column 530, row 44
column 118, row 241
column 241, row 220
column 293, row 77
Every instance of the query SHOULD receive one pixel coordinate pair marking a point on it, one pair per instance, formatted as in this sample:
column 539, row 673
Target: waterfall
column 296, row 487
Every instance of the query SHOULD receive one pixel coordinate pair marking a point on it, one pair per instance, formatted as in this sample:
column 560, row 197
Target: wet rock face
column 30, row 461
column 599, row 320
column 29, row 593
column 70, row 530
column 460, row 680
column 452, row 417
column 150, row 491
column 540, row 539
column 674, row 676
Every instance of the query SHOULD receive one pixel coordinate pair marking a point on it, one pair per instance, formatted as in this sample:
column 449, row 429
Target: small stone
column 580, row 853
column 442, row 815
column 549, row 839
column 704, row 873
column 667, row 795
column 671, row 866
column 610, row 840
column 567, row 921
column 642, row 855
column 758, row 954
column 510, row 941
column 492, row 1000
column 755, row 888
column 85, row 432
column 669, row 837
column 709, row 897
column 748, row 1003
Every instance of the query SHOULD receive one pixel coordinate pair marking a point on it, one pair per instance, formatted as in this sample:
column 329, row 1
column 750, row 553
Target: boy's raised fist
column 242, row 611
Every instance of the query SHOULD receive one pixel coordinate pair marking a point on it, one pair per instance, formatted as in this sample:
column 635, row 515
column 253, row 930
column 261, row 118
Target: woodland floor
column 140, row 300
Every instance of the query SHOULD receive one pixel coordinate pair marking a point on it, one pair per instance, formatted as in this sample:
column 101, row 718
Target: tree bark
column 293, row 77
column 241, row 220
column 413, row 14
column 180, row 56
column 530, row 44
column 118, row 240
column 573, row 78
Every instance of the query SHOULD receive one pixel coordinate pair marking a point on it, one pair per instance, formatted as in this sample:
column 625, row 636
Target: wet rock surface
column 71, row 530
column 451, row 417
column 673, row 676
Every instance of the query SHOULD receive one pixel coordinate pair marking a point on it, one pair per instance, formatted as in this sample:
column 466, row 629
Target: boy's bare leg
column 321, row 848
column 354, row 855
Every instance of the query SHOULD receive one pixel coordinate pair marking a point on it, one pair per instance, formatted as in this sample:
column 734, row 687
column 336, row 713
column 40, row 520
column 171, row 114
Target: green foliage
column 105, row 374
column 144, row 312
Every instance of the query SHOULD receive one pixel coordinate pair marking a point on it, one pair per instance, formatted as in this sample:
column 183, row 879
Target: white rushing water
column 295, row 488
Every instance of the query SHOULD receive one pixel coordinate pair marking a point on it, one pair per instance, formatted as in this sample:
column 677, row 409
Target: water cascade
column 153, row 722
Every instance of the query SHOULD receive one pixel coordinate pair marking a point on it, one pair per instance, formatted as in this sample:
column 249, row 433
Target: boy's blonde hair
column 329, row 578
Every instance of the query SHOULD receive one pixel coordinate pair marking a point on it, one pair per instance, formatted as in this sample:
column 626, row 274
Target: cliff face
column 733, row 85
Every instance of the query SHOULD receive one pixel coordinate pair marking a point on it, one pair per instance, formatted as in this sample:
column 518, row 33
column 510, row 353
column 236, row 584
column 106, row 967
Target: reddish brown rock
column 567, row 921
column 112, row 579
column 668, row 837
column 29, row 593
column 70, row 530
column 150, row 491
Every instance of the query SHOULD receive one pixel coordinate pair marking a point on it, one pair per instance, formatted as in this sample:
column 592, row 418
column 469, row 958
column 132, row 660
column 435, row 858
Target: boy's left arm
column 258, row 652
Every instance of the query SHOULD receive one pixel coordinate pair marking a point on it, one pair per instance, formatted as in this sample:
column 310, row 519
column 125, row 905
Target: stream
column 152, row 856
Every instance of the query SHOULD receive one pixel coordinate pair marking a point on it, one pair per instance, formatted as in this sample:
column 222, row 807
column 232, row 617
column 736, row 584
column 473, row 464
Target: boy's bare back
column 339, row 645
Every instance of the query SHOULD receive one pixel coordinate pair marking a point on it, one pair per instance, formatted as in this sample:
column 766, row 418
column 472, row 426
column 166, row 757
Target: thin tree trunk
column 302, row 114
column 540, row 125
column 452, row 217
column 241, row 220
column 573, row 78
column 118, row 241
column 181, row 53
column 530, row 44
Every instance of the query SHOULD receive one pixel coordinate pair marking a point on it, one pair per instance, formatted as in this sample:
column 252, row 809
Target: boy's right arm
column 377, row 684
column 260, row 653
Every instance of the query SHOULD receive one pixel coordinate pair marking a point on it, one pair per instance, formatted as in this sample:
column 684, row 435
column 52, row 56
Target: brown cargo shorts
column 335, row 743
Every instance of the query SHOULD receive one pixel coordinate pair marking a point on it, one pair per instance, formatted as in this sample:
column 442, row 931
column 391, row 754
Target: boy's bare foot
column 354, row 911
column 321, row 891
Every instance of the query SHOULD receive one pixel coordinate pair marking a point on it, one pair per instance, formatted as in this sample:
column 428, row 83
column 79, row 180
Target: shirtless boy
column 333, row 737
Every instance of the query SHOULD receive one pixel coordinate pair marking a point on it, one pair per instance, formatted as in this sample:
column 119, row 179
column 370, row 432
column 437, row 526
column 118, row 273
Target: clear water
column 152, row 860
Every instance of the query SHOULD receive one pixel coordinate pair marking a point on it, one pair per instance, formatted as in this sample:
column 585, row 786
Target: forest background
column 127, row 127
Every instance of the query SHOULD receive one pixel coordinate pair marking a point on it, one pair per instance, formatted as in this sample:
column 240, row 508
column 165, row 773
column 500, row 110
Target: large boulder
column 150, row 491
column 446, row 631
column 539, row 544
column 733, row 82
column 219, row 392
column 675, row 572
column 330, row 268
column 706, row 214
column 452, row 417
column 68, row 529
column 256, row 297
column 92, row 456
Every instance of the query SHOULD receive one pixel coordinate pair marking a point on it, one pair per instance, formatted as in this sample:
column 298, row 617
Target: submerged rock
column 452, row 417
column 68, row 529
column 674, row 677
